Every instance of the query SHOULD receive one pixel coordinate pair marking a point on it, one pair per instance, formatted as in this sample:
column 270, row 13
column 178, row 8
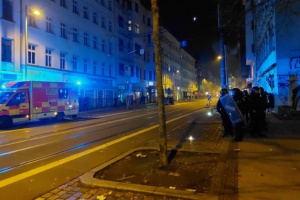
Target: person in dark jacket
column 238, row 98
column 257, row 108
column 226, row 123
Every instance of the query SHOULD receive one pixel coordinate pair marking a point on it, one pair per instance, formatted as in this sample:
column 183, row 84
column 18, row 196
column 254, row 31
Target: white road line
column 38, row 170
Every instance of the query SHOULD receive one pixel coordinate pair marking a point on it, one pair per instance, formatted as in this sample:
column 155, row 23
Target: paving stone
column 47, row 195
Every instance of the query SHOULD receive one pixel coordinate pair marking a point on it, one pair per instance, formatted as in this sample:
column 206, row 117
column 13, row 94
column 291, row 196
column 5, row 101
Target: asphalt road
column 38, row 157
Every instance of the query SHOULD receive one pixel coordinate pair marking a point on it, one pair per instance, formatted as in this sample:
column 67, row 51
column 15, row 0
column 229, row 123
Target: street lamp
column 221, row 46
column 35, row 12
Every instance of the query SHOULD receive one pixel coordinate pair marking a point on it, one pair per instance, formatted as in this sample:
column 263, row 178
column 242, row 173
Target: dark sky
column 202, row 35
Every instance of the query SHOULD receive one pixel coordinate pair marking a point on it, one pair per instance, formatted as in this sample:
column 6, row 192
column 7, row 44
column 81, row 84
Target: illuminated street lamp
column 35, row 12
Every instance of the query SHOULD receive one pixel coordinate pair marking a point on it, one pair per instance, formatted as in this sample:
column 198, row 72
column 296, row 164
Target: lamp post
column 221, row 46
column 34, row 12
column 26, row 43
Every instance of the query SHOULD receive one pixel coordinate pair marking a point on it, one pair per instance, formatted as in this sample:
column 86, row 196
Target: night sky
column 202, row 34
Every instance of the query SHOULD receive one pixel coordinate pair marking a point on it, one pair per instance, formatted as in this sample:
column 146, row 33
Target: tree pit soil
column 190, row 171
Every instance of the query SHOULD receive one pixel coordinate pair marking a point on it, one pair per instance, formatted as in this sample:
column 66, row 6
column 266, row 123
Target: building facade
column 105, row 45
column 272, row 50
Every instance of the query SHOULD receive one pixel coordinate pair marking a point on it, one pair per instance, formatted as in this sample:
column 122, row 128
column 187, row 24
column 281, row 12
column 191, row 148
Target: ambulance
column 24, row 101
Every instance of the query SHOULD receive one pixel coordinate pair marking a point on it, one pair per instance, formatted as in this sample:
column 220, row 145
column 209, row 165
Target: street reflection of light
column 191, row 138
column 4, row 154
column 79, row 146
column 4, row 170
column 209, row 113
column 76, row 136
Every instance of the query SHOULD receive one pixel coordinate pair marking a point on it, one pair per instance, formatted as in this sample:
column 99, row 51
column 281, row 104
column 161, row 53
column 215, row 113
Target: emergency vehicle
column 23, row 101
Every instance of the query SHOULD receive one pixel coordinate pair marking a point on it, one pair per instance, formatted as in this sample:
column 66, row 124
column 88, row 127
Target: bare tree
column 160, row 97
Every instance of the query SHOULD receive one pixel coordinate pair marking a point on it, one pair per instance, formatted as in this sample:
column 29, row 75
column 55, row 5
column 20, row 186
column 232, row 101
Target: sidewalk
column 256, row 168
column 269, row 168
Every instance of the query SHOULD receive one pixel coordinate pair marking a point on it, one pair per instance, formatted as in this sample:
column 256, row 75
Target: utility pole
column 221, row 46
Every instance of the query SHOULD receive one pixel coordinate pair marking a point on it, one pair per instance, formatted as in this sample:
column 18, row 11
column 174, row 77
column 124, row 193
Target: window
column 85, row 13
column 63, row 32
column 18, row 98
column 7, row 10
column 110, row 48
column 137, row 49
column 62, row 60
column 74, row 63
column 149, row 22
column 103, row 22
column 103, row 69
column 95, row 42
column 31, row 54
column 109, row 5
column 121, row 21
column 75, row 35
column 121, row 45
column 150, row 76
column 136, row 7
column 103, row 46
column 95, row 67
column 121, row 69
column 48, row 25
column 95, row 18
column 32, row 21
column 137, row 71
column 110, row 71
column 75, row 7
column 132, row 71
column 110, row 26
column 48, row 58
column 86, row 39
column 63, row 93
column 85, row 65
column 6, row 50
column 63, row 3
column 137, row 28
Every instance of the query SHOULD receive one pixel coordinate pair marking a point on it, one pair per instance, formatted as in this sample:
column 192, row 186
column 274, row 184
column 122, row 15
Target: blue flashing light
column 78, row 82
column 183, row 43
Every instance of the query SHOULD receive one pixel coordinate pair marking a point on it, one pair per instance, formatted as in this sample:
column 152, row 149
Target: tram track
column 94, row 123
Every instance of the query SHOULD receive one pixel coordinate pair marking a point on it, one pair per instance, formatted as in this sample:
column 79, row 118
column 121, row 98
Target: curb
column 88, row 180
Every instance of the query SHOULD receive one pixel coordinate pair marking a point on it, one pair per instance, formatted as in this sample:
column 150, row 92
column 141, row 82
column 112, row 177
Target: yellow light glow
column 36, row 12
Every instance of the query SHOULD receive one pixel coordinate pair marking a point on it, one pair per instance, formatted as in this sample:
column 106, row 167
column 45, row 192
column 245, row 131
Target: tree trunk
column 160, row 94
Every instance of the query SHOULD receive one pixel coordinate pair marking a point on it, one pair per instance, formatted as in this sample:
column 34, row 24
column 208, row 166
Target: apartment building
column 105, row 45
column 272, row 47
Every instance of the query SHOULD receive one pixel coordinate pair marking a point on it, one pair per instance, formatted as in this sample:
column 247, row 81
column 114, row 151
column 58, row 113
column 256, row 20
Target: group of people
column 252, row 108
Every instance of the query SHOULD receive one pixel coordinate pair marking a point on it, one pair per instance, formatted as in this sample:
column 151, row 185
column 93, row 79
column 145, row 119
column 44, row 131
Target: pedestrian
column 265, row 102
column 256, row 106
column 245, row 110
column 226, row 122
column 238, row 98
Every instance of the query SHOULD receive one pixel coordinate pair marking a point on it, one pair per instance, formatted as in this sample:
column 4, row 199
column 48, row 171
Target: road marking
column 38, row 170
